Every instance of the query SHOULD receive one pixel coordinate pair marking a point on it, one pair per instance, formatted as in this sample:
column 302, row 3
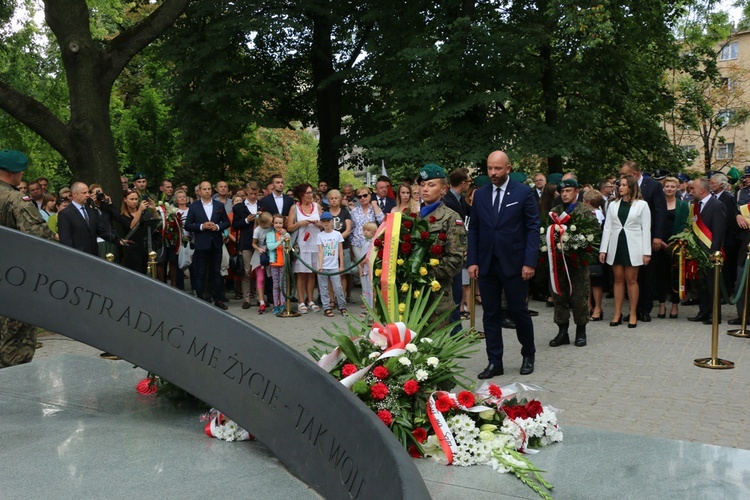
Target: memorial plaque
column 320, row 431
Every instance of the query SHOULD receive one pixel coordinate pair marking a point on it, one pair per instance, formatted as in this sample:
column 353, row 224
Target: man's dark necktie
column 496, row 202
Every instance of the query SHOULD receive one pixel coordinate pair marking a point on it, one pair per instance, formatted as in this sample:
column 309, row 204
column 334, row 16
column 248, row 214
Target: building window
column 729, row 51
column 725, row 151
column 724, row 118
column 689, row 149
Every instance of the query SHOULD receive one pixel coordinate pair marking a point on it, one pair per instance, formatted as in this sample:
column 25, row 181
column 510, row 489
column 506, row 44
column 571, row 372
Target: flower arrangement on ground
column 220, row 427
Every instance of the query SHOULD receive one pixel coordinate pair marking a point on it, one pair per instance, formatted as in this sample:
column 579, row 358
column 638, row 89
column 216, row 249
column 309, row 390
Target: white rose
column 544, row 248
column 404, row 361
column 541, row 230
column 590, row 238
column 433, row 361
column 426, row 340
column 411, row 347
column 573, row 227
column 566, row 237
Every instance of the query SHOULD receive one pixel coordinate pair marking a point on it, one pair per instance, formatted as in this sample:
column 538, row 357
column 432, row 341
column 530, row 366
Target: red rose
column 515, row 412
column 377, row 242
column 541, row 260
column 413, row 215
column 379, row 391
column 348, row 369
column 406, row 248
column 443, row 404
column 534, row 408
column 414, row 452
column 407, row 237
column 380, row 372
column 495, row 391
column 573, row 256
column 424, row 235
column 436, row 249
column 442, row 236
column 170, row 236
column 386, row 417
column 380, row 253
column 432, row 219
column 466, row 399
column 411, row 387
column 407, row 224
column 589, row 249
column 419, row 434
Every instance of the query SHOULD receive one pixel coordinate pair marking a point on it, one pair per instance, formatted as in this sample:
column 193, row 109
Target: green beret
column 567, row 183
column 139, row 176
column 733, row 175
column 518, row 176
column 554, row 178
column 481, row 180
column 13, row 161
column 431, row 171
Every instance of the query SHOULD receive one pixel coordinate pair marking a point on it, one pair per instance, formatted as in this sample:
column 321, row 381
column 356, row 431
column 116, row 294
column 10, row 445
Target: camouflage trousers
column 17, row 342
column 577, row 301
column 446, row 304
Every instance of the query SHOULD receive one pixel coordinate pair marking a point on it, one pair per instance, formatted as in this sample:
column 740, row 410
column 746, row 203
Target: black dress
column 622, row 255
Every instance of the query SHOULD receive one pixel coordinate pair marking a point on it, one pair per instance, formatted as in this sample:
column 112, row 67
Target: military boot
column 580, row 335
column 562, row 336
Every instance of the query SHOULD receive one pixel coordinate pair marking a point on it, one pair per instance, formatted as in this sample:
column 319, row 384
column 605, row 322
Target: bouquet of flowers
column 687, row 248
column 220, row 427
column 171, row 223
column 418, row 253
column 573, row 237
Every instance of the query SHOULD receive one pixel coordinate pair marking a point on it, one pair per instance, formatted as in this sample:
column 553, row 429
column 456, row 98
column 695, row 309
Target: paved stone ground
column 639, row 381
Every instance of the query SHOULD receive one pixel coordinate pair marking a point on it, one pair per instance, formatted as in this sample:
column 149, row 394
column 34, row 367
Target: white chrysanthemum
column 411, row 347
column 426, row 340
column 404, row 361
column 421, row 375
column 566, row 237
column 433, row 361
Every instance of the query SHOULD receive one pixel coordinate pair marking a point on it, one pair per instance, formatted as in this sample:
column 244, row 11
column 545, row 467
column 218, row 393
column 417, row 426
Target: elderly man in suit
column 207, row 219
column 719, row 186
column 712, row 213
column 79, row 224
column 653, row 194
column 503, row 252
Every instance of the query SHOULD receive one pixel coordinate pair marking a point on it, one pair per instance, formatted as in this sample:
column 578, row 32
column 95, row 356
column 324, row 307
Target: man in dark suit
column 718, row 184
column 381, row 195
column 713, row 216
column 653, row 194
column 207, row 219
column 79, row 224
column 459, row 183
column 276, row 202
column 503, row 252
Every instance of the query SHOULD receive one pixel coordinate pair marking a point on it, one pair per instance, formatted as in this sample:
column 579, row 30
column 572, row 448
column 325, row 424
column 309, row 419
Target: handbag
column 236, row 264
column 185, row 255
column 265, row 260
column 596, row 270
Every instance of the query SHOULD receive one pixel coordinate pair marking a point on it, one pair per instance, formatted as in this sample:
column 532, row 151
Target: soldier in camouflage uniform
column 580, row 281
column 17, row 339
column 441, row 219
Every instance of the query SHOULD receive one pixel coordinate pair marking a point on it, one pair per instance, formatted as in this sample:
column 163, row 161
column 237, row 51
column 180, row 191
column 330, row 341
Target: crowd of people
column 237, row 234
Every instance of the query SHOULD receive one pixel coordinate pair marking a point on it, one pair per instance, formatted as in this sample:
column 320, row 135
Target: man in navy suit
column 381, row 195
column 653, row 194
column 207, row 219
column 503, row 252
column 276, row 202
column 79, row 224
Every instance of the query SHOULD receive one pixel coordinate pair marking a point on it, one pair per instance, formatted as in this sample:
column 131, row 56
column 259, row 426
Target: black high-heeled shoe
column 662, row 315
column 616, row 323
column 673, row 316
column 632, row 325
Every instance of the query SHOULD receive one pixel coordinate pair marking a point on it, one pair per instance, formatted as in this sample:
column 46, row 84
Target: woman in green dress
column 626, row 244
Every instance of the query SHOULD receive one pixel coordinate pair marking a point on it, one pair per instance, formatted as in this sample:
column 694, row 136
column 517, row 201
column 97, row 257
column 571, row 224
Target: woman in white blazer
column 626, row 244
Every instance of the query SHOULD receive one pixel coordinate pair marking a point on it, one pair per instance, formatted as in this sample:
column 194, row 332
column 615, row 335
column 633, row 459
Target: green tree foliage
column 291, row 153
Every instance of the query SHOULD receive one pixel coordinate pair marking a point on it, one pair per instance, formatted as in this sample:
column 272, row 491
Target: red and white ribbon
column 558, row 227
column 440, row 426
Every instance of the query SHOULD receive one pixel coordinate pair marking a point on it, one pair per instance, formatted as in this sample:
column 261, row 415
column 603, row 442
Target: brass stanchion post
column 473, row 306
column 742, row 332
column 110, row 257
column 714, row 362
column 287, row 313
column 151, row 264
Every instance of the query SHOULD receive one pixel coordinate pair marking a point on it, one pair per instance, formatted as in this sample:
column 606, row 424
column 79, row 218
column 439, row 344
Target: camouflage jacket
column 17, row 212
column 454, row 252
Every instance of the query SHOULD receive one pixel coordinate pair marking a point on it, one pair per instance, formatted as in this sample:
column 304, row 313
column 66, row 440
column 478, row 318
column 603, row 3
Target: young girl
column 368, row 231
column 274, row 240
column 259, row 244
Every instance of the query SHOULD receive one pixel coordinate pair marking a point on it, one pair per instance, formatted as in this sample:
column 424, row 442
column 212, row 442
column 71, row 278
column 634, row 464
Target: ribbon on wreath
column 682, row 275
column 558, row 227
column 390, row 256
column 440, row 426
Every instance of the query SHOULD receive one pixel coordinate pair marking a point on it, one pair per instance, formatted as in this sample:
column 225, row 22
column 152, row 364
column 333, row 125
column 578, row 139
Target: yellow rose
column 435, row 286
column 434, row 262
column 400, row 317
column 405, row 287
column 400, row 262
column 378, row 272
column 402, row 308
column 417, row 293
column 423, row 271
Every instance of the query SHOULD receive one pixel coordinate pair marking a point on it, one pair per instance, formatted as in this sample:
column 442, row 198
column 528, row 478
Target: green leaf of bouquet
column 347, row 348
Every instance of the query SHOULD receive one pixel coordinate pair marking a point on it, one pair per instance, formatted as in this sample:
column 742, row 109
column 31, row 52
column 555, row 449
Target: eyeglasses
column 308, row 192
column 360, row 196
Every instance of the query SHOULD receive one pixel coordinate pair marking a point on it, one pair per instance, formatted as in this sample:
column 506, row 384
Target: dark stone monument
column 320, row 431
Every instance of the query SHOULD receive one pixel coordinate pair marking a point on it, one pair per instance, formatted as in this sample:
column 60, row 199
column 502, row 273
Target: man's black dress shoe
column 221, row 305
column 690, row 302
column 527, row 366
column 490, row 371
column 645, row 317
column 709, row 321
column 508, row 323
column 735, row 321
column 699, row 317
